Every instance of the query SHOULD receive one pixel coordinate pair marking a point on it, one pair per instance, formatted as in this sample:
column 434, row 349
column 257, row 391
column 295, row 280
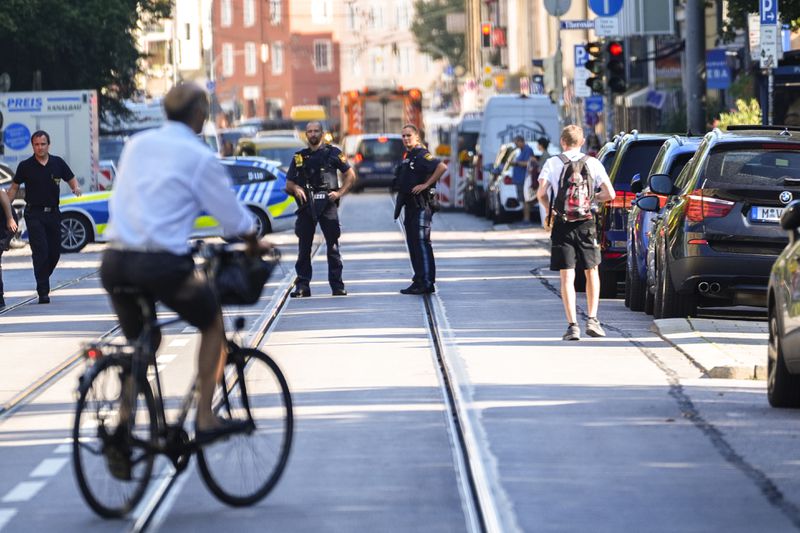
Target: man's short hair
column 519, row 138
column 572, row 135
column 317, row 122
column 183, row 101
column 40, row 133
column 544, row 142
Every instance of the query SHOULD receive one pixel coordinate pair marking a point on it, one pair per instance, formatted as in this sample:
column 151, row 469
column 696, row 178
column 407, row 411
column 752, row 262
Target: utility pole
column 695, row 59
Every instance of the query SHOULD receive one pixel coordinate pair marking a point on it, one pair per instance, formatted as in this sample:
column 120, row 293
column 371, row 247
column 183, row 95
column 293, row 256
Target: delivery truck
column 69, row 117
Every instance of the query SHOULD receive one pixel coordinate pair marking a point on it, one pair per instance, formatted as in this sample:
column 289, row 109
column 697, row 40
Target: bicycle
column 121, row 425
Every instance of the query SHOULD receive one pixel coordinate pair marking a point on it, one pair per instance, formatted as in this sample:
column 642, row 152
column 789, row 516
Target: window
column 321, row 11
column 377, row 16
column 227, row 60
column 242, row 175
column 752, row 166
column 249, row 13
column 355, row 65
column 188, row 29
column 405, row 60
column 250, row 59
column 277, row 58
column 323, row 60
column 275, row 11
column 226, row 13
column 403, row 15
column 351, row 16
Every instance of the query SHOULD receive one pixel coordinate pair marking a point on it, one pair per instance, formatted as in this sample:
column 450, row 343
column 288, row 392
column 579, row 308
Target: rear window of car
column 752, row 166
column 382, row 150
column 637, row 158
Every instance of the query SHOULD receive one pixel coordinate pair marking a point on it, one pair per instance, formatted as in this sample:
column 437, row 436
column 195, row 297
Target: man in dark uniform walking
column 417, row 173
column 42, row 173
column 313, row 181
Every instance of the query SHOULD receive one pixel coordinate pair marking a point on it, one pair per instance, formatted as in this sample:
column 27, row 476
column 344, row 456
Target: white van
column 507, row 116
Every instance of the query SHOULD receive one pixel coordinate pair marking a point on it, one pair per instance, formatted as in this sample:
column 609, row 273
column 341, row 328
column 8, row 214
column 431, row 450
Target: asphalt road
column 622, row 433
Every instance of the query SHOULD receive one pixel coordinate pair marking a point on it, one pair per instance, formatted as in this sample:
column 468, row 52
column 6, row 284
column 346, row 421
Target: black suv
column 635, row 154
column 720, row 236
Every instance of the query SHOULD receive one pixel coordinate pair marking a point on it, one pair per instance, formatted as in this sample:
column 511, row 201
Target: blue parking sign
column 768, row 9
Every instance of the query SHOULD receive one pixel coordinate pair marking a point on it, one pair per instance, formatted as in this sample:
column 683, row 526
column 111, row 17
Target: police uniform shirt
column 416, row 167
column 42, row 181
column 308, row 162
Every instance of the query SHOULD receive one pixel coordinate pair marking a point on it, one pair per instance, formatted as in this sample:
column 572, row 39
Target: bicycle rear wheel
column 243, row 469
column 113, row 460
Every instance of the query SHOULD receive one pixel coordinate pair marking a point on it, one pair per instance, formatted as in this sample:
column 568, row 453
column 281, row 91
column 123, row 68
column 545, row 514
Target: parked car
column 273, row 148
column 783, row 297
column 376, row 156
column 259, row 185
column 671, row 159
column 634, row 154
column 720, row 234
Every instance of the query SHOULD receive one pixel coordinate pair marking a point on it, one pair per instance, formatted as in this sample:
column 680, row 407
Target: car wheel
column 649, row 301
column 634, row 283
column 608, row 284
column 783, row 388
column 76, row 232
column 627, row 281
column 262, row 222
column 674, row 305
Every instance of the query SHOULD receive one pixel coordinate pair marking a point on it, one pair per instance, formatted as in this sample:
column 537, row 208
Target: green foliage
column 85, row 44
column 739, row 9
column 430, row 33
column 746, row 113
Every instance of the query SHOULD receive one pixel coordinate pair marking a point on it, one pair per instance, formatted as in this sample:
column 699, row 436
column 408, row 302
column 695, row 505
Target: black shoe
column 416, row 289
column 339, row 292
column 301, row 292
column 226, row 429
column 2, row 302
column 44, row 299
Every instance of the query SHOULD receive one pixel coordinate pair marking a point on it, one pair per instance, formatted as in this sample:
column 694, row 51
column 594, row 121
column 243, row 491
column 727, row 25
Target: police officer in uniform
column 313, row 181
column 416, row 175
column 42, row 173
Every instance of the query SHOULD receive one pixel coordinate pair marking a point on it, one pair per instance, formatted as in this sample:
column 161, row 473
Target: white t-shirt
column 551, row 171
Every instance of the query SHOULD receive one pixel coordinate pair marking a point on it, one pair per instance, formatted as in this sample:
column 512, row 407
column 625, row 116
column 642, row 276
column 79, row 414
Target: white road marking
column 189, row 329
column 64, row 448
column 166, row 358
column 23, row 491
column 49, row 467
column 179, row 342
column 5, row 516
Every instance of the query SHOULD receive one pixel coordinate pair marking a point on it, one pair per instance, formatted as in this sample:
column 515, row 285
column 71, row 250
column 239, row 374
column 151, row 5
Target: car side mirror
column 790, row 220
column 661, row 184
column 636, row 183
column 648, row 203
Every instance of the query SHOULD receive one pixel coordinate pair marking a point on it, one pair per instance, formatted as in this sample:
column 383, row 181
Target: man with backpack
column 578, row 183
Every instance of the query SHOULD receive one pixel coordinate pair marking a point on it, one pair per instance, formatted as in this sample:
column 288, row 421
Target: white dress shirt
column 167, row 177
column 551, row 171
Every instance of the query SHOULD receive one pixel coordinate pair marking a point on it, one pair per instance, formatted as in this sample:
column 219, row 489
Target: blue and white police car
column 259, row 184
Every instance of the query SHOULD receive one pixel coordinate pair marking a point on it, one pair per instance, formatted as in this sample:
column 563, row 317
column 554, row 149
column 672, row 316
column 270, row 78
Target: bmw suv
column 720, row 234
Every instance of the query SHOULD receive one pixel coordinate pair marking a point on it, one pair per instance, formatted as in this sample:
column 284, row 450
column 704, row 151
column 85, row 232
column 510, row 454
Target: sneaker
column 573, row 333
column 593, row 328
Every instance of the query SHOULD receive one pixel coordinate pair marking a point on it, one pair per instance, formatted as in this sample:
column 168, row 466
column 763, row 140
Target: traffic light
column 595, row 66
column 486, row 34
column 616, row 66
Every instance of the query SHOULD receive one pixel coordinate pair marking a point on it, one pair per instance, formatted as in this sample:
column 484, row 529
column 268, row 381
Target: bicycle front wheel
column 243, row 469
column 112, row 439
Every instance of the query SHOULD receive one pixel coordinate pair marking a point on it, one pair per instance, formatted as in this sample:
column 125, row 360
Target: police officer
column 312, row 180
column 416, row 174
column 41, row 173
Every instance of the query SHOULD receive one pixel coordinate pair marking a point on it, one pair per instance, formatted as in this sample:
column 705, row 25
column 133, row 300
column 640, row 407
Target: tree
column 430, row 33
column 739, row 9
column 69, row 44
column 746, row 113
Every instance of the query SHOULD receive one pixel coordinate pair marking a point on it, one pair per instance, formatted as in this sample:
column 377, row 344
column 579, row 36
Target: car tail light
column 662, row 201
column 702, row 207
column 508, row 181
column 698, row 241
column 93, row 353
column 358, row 158
column 623, row 200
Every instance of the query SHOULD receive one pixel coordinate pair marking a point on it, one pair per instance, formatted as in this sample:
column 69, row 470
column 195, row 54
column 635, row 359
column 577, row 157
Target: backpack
column 575, row 193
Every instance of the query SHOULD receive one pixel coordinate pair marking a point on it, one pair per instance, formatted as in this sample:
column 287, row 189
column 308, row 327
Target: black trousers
column 44, row 237
column 304, row 228
column 417, row 222
column 1, row 272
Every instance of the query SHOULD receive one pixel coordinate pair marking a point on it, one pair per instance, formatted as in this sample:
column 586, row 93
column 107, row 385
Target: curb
column 710, row 345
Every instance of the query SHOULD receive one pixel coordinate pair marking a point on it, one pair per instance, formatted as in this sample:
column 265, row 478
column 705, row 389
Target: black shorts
column 574, row 243
column 162, row 277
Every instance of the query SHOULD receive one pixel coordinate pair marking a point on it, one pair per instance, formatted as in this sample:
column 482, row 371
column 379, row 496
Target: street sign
column 718, row 74
column 754, row 35
column 577, row 24
column 607, row 8
column 556, row 8
column 770, row 26
column 768, row 10
column 581, row 55
column 607, row 27
column 581, row 73
column 594, row 104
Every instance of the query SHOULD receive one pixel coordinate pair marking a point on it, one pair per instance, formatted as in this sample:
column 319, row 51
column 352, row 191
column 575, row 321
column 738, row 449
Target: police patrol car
column 259, row 184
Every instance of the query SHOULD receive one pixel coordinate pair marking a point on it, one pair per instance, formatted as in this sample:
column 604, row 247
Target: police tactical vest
column 317, row 169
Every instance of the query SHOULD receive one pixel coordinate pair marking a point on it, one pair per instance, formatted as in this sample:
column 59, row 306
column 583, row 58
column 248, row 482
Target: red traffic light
column 486, row 28
column 616, row 49
column 486, row 34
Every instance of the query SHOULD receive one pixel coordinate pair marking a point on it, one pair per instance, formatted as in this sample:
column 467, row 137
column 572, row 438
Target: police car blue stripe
column 268, row 194
column 259, row 195
column 241, row 192
column 251, row 193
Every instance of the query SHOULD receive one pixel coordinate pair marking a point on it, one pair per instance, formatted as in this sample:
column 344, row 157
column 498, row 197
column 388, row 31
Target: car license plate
column 383, row 165
column 765, row 214
column 320, row 196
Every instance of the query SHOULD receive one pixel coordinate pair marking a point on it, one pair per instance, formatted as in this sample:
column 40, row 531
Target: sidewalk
column 726, row 349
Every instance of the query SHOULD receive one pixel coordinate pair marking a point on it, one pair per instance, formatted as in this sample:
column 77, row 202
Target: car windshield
column 753, row 166
column 637, row 158
column 284, row 155
column 242, row 175
column 382, row 150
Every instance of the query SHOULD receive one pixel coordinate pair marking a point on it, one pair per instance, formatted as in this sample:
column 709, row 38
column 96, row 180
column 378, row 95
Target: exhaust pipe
column 714, row 287
column 703, row 287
